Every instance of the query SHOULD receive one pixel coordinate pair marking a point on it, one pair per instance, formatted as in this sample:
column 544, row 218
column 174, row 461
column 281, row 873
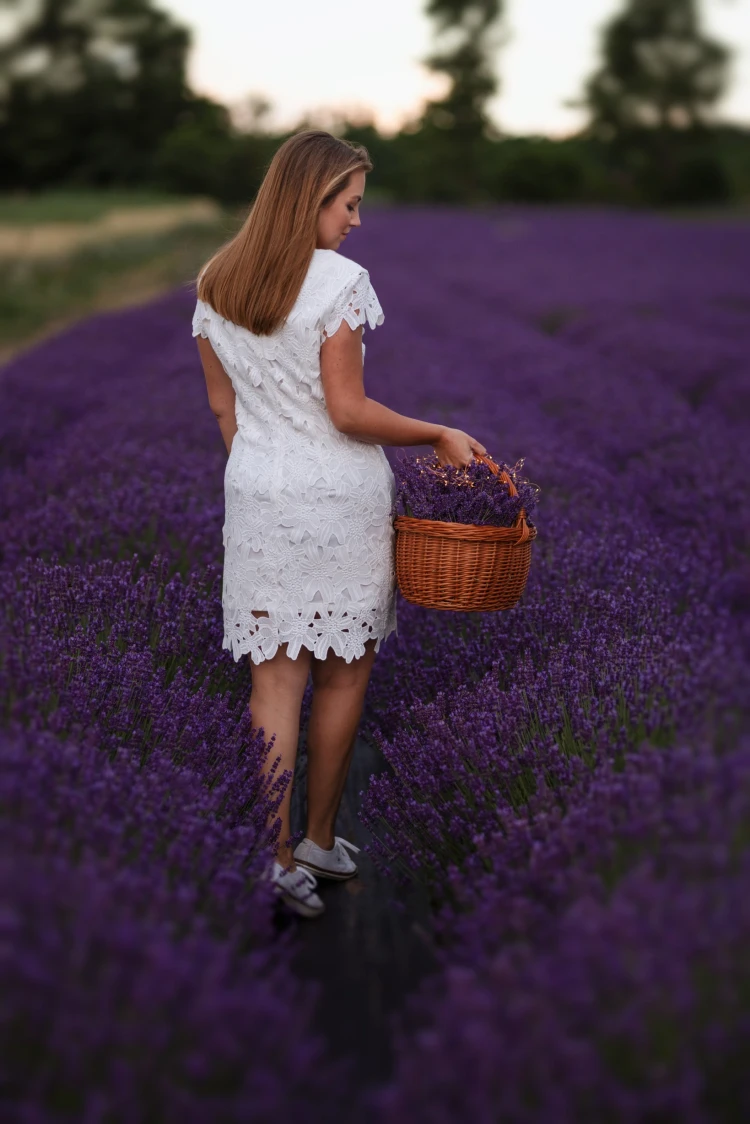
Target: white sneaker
column 296, row 888
column 327, row 864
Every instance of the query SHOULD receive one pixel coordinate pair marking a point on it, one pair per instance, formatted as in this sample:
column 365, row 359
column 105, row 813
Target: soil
column 372, row 947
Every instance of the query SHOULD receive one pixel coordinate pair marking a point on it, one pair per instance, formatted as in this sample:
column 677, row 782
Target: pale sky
column 329, row 54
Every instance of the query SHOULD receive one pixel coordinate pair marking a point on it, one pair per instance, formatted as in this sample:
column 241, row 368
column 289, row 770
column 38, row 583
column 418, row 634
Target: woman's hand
column 457, row 448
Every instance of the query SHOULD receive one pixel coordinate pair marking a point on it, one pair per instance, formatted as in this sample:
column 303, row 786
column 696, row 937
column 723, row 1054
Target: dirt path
column 57, row 239
column 373, row 945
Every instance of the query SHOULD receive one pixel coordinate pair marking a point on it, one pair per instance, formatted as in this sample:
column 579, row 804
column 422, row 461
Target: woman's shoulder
column 331, row 265
column 343, row 291
column 330, row 278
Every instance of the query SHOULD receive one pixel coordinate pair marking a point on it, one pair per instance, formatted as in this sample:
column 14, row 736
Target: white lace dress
column 308, row 530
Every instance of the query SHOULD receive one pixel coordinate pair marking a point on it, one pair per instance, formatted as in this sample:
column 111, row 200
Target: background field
column 567, row 783
column 64, row 254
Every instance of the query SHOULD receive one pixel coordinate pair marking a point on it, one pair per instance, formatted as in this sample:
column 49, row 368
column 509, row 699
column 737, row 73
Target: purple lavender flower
column 425, row 489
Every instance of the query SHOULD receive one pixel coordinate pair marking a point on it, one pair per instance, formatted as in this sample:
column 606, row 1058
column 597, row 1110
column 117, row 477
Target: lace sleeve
column 356, row 303
column 201, row 319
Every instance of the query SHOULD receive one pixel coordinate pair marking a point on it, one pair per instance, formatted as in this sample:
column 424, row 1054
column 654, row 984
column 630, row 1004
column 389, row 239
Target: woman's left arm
column 221, row 394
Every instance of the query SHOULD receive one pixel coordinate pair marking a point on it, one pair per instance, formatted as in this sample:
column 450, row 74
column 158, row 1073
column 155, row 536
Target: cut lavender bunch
column 425, row 489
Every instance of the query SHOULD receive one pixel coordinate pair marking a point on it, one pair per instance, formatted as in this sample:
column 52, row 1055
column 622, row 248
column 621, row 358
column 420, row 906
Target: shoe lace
column 337, row 839
column 303, row 881
column 303, row 884
column 309, row 877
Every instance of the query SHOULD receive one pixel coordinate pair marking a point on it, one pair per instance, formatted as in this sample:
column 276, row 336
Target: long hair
column 255, row 278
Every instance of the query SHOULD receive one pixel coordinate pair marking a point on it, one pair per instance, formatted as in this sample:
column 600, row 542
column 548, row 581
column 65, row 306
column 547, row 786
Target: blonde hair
column 255, row 278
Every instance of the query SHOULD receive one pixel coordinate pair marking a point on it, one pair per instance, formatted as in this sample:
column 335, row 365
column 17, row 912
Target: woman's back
column 276, row 378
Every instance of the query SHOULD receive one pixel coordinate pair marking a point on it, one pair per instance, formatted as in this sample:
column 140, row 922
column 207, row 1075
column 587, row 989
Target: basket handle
column 520, row 522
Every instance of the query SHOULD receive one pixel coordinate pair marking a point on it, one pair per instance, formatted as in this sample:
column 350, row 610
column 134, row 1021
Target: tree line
column 96, row 95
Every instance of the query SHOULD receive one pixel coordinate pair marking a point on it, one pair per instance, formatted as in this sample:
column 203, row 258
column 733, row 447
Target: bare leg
column 338, row 696
column 276, row 702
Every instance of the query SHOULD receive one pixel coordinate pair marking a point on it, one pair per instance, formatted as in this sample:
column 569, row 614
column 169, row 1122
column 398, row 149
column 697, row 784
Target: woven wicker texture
column 461, row 566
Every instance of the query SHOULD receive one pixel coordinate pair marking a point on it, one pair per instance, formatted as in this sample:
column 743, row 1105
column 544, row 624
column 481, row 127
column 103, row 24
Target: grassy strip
column 21, row 208
column 37, row 297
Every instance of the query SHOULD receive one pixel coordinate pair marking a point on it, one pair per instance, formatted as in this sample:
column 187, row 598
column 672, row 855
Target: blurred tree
column 539, row 170
column 198, row 158
column 89, row 90
column 651, row 97
column 658, row 69
column 454, row 129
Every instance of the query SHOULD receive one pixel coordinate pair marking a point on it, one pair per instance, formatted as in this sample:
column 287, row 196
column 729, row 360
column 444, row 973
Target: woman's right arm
column 353, row 413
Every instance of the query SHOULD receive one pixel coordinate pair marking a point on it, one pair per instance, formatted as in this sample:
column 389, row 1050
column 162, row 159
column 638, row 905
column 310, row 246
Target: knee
column 334, row 681
column 341, row 676
column 279, row 681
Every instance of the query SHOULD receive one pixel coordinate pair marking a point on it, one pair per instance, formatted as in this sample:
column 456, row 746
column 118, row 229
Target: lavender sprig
column 425, row 489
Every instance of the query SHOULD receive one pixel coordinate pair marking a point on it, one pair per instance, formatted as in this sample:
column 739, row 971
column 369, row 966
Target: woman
column 309, row 576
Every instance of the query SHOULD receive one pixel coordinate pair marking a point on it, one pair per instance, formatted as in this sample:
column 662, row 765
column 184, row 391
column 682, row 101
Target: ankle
column 285, row 857
column 287, row 864
column 322, row 838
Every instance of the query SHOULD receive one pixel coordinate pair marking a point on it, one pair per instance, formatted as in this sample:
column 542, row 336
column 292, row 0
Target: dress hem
column 248, row 645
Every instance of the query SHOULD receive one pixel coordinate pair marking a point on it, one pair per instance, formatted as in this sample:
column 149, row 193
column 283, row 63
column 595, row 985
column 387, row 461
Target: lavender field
column 569, row 781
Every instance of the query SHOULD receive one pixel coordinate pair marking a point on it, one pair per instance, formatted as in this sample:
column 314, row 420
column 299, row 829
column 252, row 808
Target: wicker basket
column 462, row 566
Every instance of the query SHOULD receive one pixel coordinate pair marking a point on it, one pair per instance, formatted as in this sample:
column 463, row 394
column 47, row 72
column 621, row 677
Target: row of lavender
column 150, row 977
column 572, row 779
column 541, row 785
